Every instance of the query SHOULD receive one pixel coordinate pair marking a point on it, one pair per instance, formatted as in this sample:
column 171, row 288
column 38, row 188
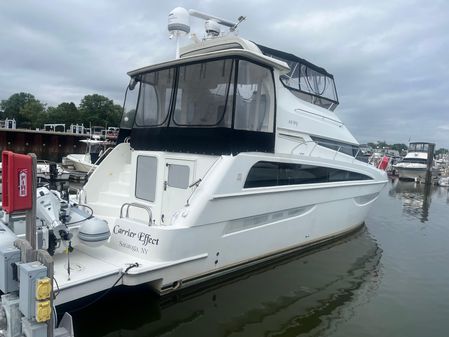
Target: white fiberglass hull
column 351, row 264
column 291, row 220
column 80, row 163
column 411, row 173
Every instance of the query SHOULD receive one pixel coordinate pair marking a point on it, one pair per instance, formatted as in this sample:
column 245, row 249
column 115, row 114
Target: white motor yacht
column 228, row 156
column 415, row 163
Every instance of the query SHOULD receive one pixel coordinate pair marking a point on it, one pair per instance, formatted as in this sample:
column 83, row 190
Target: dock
column 48, row 145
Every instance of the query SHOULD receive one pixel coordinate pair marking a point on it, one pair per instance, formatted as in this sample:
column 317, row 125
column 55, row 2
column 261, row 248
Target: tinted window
column 349, row 149
column 414, row 160
column 264, row 174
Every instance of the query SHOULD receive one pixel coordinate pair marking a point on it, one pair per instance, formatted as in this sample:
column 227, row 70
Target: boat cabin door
column 178, row 176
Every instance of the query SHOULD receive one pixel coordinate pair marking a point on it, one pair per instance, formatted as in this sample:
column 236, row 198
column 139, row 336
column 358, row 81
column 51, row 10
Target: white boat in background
column 46, row 171
column 96, row 149
column 415, row 164
column 232, row 155
column 443, row 181
column 49, row 170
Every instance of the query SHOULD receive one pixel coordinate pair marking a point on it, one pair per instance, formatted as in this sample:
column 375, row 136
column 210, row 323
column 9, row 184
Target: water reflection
column 296, row 296
column 416, row 198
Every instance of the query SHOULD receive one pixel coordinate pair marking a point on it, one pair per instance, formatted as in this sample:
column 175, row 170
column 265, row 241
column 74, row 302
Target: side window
column 129, row 108
column 154, row 98
column 254, row 98
column 265, row 174
column 146, row 178
column 178, row 176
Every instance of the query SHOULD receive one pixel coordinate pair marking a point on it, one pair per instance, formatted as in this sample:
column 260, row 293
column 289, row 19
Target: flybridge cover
column 307, row 81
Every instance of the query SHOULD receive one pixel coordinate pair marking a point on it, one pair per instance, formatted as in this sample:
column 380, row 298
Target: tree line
column 400, row 147
column 30, row 113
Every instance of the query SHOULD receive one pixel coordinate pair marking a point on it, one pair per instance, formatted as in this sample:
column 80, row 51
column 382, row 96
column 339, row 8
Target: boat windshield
column 418, row 147
column 306, row 80
column 202, row 96
column 224, row 105
column 205, row 97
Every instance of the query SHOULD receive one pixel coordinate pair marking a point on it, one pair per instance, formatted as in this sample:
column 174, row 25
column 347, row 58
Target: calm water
column 389, row 279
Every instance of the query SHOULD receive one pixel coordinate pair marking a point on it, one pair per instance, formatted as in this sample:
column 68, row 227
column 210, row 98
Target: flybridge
column 306, row 80
column 219, row 95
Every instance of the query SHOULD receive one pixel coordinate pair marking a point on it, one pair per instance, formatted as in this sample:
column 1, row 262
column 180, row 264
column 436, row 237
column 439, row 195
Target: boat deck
column 96, row 269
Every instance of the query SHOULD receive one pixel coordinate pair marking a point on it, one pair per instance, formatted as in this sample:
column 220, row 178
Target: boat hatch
column 178, row 176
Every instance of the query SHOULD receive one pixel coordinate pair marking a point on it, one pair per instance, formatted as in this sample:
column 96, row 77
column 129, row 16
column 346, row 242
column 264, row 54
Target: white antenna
column 204, row 16
column 178, row 25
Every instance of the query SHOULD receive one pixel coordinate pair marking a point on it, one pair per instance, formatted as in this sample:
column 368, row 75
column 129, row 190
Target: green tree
column 399, row 147
column 441, row 151
column 11, row 107
column 66, row 113
column 382, row 144
column 32, row 115
column 99, row 110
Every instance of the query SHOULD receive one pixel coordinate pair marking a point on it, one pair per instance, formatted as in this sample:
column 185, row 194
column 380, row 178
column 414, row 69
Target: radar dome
column 179, row 21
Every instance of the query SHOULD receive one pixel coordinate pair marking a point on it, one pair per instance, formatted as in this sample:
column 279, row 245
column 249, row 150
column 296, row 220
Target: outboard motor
column 58, row 222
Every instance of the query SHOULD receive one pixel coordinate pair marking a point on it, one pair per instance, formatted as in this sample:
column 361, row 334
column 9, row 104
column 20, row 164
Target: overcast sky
column 390, row 58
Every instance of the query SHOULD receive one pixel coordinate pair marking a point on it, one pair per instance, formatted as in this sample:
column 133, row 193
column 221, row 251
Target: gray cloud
column 388, row 57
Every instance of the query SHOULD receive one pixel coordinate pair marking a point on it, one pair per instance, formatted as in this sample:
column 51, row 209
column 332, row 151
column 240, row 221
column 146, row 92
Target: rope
column 134, row 265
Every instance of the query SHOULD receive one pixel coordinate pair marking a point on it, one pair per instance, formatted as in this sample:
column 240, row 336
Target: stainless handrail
column 137, row 205
column 302, row 143
column 340, row 123
column 100, row 158
column 339, row 150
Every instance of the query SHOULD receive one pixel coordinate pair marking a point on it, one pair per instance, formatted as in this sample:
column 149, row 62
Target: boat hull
column 80, row 164
column 411, row 173
column 174, row 257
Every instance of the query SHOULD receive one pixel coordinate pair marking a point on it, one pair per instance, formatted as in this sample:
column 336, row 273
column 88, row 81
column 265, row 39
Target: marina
column 230, row 196
column 389, row 278
column 231, row 138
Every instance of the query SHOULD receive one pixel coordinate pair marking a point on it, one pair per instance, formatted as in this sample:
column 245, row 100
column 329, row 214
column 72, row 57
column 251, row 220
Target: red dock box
column 16, row 182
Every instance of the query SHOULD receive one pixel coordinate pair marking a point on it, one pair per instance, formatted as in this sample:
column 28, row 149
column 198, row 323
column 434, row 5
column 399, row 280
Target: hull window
column 146, row 178
column 265, row 174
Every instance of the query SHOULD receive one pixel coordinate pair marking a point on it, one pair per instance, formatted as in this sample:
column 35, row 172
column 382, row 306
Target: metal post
column 31, row 214
column 430, row 152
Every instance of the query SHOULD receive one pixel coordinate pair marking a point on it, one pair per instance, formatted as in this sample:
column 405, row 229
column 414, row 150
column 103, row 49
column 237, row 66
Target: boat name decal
column 144, row 238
